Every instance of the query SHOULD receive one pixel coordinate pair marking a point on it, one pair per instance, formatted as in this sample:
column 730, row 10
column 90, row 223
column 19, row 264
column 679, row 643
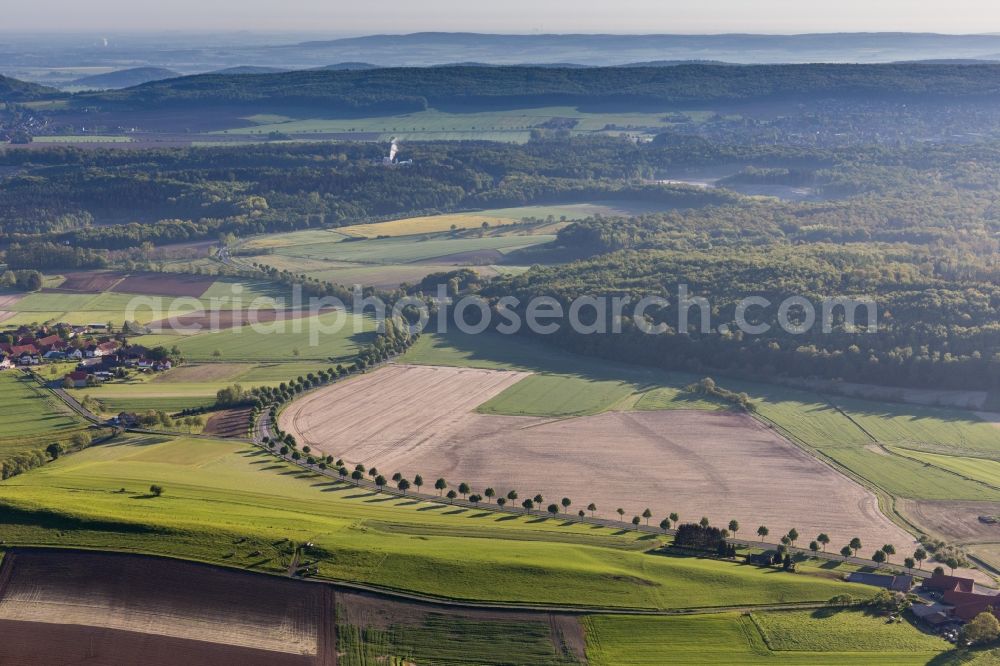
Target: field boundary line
column 438, row 601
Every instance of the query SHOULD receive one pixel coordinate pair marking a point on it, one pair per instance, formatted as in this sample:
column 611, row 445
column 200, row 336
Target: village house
column 959, row 602
column 79, row 378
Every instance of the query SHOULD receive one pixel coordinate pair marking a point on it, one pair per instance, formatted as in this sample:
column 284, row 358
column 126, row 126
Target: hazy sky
column 398, row 16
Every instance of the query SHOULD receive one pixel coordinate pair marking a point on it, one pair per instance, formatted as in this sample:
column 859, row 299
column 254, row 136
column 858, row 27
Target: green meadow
column 786, row 637
column 31, row 416
column 233, row 504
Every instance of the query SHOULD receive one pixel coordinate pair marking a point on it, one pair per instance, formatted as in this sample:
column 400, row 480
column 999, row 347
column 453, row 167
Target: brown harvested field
column 160, row 284
column 89, row 281
column 222, row 319
column 420, row 419
column 953, row 520
column 228, row 423
column 86, row 607
column 202, row 372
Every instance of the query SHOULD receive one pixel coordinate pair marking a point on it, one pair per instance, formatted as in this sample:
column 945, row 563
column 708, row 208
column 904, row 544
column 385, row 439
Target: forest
column 914, row 226
column 402, row 90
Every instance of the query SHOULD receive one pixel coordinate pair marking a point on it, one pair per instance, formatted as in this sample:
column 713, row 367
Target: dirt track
column 720, row 465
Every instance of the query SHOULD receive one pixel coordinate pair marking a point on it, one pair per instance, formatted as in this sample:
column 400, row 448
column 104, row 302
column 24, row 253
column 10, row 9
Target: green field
column 220, row 492
column 296, row 341
column 31, row 415
column 790, row 637
column 448, row 639
column 82, row 138
column 569, row 384
column 979, row 469
column 495, row 217
column 514, row 125
column 566, row 384
column 407, row 250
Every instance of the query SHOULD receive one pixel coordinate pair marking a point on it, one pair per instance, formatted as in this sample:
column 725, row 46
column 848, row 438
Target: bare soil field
column 716, row 464
column 952, row 520
column 73, row 607
column 223, row 319
column 162, row 598
column 159, row 284
column 89, row 281
column 228, row 423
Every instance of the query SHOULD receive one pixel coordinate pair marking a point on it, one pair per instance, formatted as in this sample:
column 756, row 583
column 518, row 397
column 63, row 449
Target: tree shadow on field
column 323, row 484
column 431, row 507
column 540, row 519
column 507, row 517
column 483, row 514
column 360, row 496
column 830, row 564
column 454, row 512
column 144, row 496
column 271, row 467
column 647, row 537
column 828, row 612
column 408, row 503
column 334, row 488
column 387, row 498
column 567, row 523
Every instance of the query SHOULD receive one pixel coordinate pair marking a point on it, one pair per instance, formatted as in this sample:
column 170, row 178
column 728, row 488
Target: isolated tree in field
column 380, row 481
column 621, row 513
column 357, row 476
column 155, row 490
column 591, row 508
column 704, row 521
column 403, row 485
column 734, row 526
column 306, row 449
column 296, row 455
column 528, row 505
column 359, row 468
column 785, row 541
column 566, row 502
column 665, row 524
column 793, row 536
column 635, row 521
column 952, row 563
column 490, row 493
column 889, row 551
column 909, row 562
column 762, row 532
column 938, row 571
column 284, row 450
column 538, row 499
column 920, row 555
column 855, row 545
column 674, row 518
column 501, row 502
column 451, row 495
column 878, row 556
column 846, row 551
column 475, row 498
column 342, row 471
column 647, row 514
column 814, row 546
column 512, row 496
column 581, row 513
column 984, row 628
column 373, row 472
column 54, row 450
column 440, row 485
column 397, row 476
column 824, row 539
column 329, row 460
column 553, row 509
column 464, row 489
